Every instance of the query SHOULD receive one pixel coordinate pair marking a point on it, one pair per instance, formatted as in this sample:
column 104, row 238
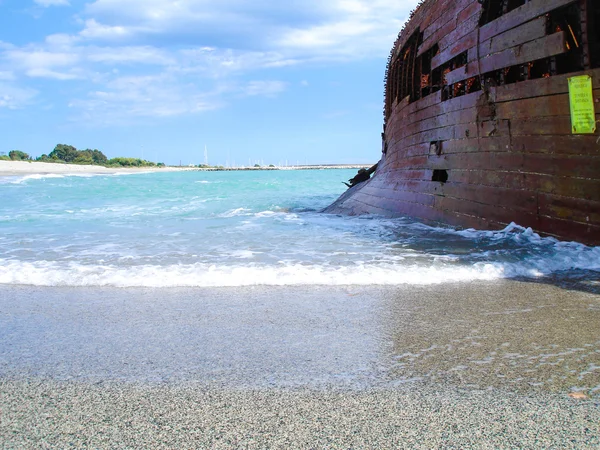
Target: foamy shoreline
column 14, row 168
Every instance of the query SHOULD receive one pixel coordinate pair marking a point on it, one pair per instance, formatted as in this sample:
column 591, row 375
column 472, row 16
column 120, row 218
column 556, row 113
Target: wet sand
column 489, row 364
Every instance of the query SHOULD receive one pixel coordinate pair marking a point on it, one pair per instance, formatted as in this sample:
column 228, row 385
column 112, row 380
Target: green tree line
column 68, row 154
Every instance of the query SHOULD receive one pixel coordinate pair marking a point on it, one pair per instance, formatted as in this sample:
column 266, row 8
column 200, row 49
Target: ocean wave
column 19, row 179
column 203, row 275
column 54, row 273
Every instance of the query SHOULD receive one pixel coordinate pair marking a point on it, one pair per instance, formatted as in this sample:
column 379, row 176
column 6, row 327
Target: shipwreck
column 490, row 117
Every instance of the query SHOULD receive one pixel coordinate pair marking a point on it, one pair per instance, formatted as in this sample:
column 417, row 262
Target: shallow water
column 510, row 335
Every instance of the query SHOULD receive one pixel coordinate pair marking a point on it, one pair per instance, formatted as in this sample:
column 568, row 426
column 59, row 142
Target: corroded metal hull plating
column 477, row 124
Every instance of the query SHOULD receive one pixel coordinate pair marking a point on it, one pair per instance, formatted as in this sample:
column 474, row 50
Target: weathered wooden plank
column 557, row 84
column 558, row 165
column 410, row 209
column 448, row 106
column 445, row 23
column 446, row 13
column 437, row 134
column 572, row 144
column 489, row 212
column 412, row 185
column 425, row 102
column 569, row 208
column 415, row 162
column 389, row 196
column 433, row 11
column 399, row 105
column 461, row 74
column 544, row 183
column 454, row 48
column 551, row 45
column 569, row 230
column 493, row 196
column 550, row 126
column 435, row 37
column 461, row 30
column 410, row 174
column 461, row 116
column 517, row 16
column 494, row 128
column 552, row 105
column 561, row 165
column 472, row 9
column 525, row 89
column 415, row 150
column 527, row 32
column 454, row 125
column 435, row 26
column 491, row 144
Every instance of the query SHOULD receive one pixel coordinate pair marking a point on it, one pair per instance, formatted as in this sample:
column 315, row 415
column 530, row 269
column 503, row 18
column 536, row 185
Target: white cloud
column 37, row 58
column 128, row 99
column 95, row 30
column 48, row 73
column 7, row 75
column 160, row 58
column 129, row 55
column 14, row 97
column 36, row 62
column 306, row 29
column 46, row 3
column 326, row 36
column 61, row 40
column 268, row 88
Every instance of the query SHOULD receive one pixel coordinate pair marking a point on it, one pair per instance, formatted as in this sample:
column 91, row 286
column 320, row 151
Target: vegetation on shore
column 67, row 154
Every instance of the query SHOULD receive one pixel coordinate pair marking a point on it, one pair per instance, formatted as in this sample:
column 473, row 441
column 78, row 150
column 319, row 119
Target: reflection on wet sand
column 513, row 335
column 517, row 336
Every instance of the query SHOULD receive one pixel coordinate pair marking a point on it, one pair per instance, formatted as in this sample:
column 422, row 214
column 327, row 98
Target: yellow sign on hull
column 583, row 118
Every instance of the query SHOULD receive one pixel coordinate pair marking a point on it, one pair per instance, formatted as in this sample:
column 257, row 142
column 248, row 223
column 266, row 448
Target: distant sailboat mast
column 205, row 156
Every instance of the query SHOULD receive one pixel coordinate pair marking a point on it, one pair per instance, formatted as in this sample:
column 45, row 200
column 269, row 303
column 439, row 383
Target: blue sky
column 254, row 81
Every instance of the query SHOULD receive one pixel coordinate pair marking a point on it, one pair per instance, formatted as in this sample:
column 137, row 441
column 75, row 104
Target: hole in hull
column 440, row 175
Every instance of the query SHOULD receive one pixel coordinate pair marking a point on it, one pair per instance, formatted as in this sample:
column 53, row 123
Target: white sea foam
column 236, row 212
column 19, row 179
column 23, row 179
column 212, row 275
column 206, row 275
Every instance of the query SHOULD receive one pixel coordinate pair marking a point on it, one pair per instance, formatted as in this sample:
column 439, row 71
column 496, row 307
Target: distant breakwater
column 304, row 167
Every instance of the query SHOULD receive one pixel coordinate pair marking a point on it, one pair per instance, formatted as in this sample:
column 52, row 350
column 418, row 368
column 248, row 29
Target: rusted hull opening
column 593, row 7
column 477, row 120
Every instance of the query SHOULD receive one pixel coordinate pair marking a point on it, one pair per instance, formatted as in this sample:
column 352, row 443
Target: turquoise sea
column 242, row 228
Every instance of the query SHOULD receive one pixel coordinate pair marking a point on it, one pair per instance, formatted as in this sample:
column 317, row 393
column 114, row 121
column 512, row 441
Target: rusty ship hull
column 478, row 130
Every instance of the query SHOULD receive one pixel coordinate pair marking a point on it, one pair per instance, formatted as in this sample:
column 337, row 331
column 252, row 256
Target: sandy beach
column 15, row 168
column 489, row 364
column 474, row 364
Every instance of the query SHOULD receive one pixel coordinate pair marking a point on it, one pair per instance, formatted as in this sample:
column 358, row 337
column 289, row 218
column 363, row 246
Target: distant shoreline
column 15, row 168
column 300, row 167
